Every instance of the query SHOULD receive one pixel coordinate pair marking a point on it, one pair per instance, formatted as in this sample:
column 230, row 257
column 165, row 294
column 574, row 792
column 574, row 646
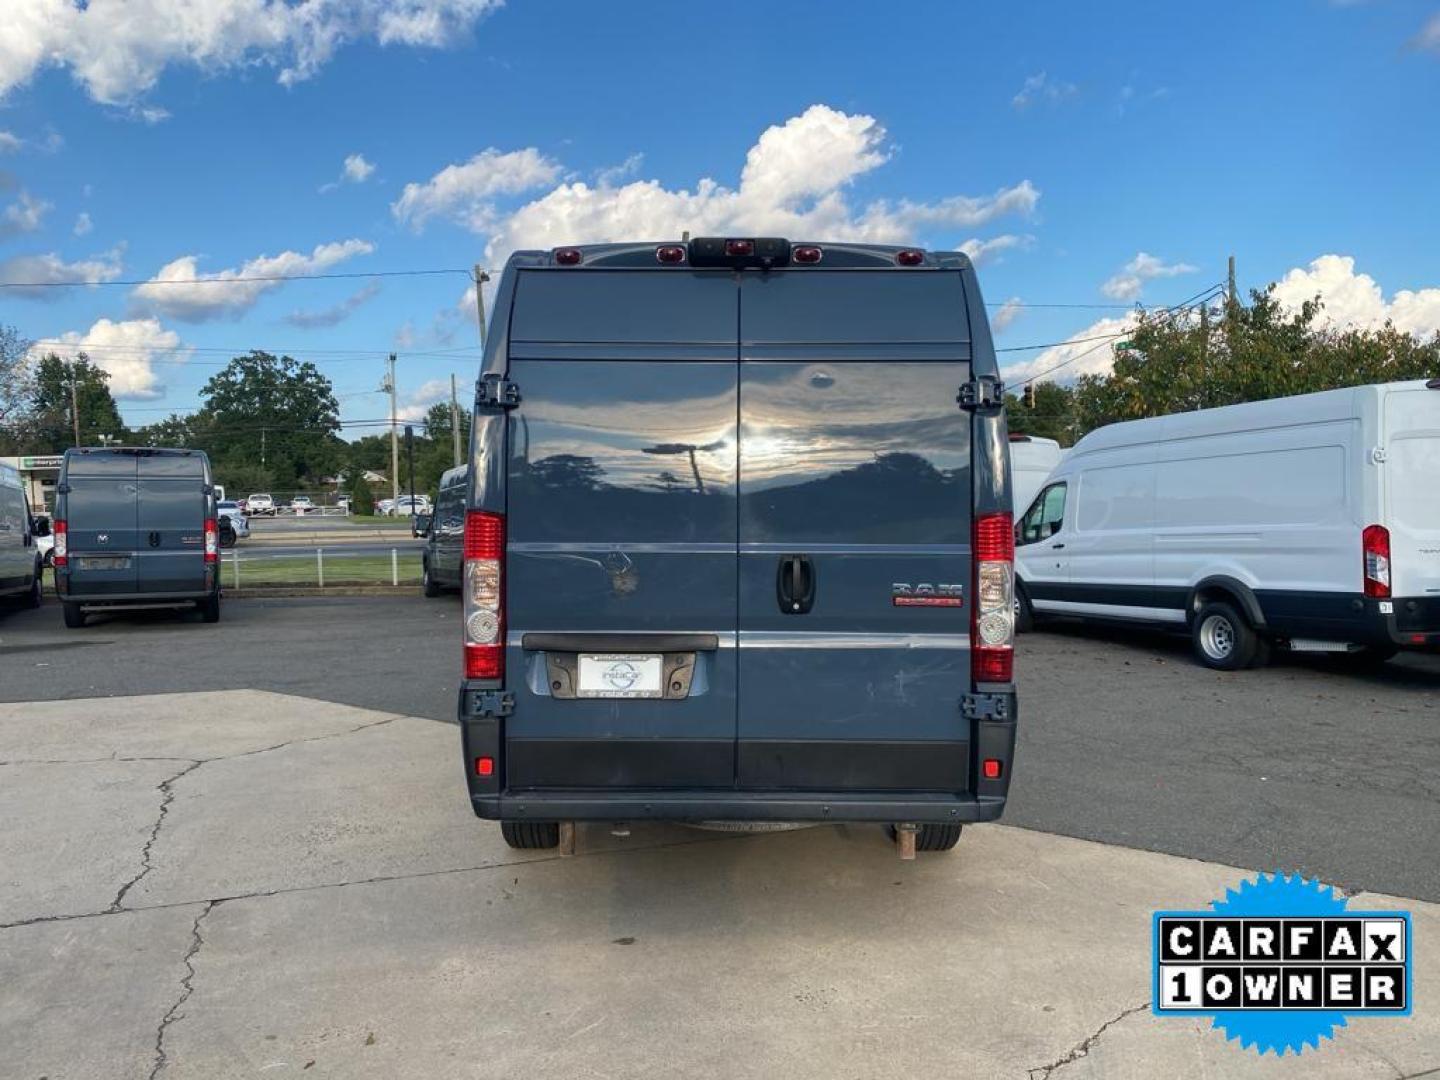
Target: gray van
column 738, row 542
column 136, row 528
column 22, row 568
column 444, row 533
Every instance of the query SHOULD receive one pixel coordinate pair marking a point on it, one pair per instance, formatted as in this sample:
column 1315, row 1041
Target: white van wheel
column 1223, row 640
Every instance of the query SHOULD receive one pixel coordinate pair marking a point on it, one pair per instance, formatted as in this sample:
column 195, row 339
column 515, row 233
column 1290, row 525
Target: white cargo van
column 1032, row 459
column 1309, row 522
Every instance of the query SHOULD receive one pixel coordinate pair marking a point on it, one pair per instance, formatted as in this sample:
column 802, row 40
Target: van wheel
column 932, row 837
column 528, row 835
column 1222, row 639
column 1024, row 613
column 74, row 617
column 427, row 582
column 36, row 596
column 209, row 609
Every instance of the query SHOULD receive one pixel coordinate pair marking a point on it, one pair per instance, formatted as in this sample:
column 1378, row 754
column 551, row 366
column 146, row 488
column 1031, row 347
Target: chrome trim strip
column 527, row 547
column 791, row 639
column 855, row 549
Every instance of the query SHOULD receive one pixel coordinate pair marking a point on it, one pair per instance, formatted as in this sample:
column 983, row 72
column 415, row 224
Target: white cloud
column 25, row 214
column 149, row 115
column 1429, row 35
column 615, row 173
column 125, row 349
column 180, row 291
column 40, row 272
column 118, row 49
column 357, row 169
column 417, row 402
column 1087, row 352
column 465, row 193
column 1042, row 88
column 10, row 142
column 1356, row 300
column 982, row 250
column 83, row 224
column 338, row 313
column 792, row 184
column 1006, row 314
column 1129, row 283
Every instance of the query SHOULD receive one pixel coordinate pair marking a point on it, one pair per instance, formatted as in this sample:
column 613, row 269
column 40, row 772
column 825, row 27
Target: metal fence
column 320, row 568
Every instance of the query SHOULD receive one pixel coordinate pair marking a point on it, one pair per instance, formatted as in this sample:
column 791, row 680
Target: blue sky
column 1089, row 155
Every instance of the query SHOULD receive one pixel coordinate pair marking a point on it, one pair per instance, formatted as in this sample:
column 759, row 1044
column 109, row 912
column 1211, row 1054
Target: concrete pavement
column 243, row 883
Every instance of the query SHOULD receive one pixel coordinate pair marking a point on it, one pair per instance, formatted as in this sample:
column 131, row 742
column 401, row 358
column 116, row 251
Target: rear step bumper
column 918, row 807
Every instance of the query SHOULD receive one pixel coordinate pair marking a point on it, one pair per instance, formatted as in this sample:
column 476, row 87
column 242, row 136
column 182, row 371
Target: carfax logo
column 1280, row 963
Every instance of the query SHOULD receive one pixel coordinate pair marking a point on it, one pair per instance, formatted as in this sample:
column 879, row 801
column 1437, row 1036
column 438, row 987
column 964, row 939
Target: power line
column 237, row 280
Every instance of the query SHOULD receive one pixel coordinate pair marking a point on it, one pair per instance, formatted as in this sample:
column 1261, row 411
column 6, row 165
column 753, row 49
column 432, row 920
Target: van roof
column 768, row 252
column 1319, row 407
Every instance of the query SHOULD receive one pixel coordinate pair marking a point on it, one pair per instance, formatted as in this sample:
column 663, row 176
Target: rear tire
column 932, row 837
column 427, row 582
column 1024, row 613
column 36, row 596
column 530, row 835
column 74, row 617
column 1223, row 640
column 209, row 609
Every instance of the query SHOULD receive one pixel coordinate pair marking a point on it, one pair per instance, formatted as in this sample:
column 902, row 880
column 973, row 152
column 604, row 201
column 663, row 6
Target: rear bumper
column 921, row 808
column 133, row 599
column 1414, row 622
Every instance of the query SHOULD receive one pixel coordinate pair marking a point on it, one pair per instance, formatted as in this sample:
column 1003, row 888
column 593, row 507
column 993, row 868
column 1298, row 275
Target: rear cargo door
column 855, row 498
column 1412, row 496
column 170, row 523
column 100, row 494
column 621, row 522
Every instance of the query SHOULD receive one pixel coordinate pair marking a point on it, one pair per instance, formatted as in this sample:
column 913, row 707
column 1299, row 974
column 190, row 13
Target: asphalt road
column 1124, row 739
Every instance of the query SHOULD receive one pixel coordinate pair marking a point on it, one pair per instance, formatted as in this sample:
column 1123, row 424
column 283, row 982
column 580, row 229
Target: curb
column 262, row 592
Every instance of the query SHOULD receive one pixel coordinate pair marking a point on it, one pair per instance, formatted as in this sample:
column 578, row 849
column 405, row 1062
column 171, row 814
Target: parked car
column 1032, row 459
column 136, row 527
column 22, row 565
column 43, row 538
column 406, row 506
column 1309, row 523
column 239, row 523
column 260, row 504
column 243, row 504
column 444, row 533
column 385, row 507
column 735, row 552
column 301, row 504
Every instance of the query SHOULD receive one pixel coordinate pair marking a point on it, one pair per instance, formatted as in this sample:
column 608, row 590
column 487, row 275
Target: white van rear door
column 1412, row 490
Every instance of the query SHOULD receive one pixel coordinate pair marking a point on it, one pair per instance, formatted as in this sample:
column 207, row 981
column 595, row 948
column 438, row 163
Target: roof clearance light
column 909, row 257
column 806, row 254
column 567, row 256
column 739, row 247
column 670, row 253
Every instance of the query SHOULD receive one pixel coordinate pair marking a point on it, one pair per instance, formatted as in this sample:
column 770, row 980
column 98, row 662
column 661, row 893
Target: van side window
column 1045, row 515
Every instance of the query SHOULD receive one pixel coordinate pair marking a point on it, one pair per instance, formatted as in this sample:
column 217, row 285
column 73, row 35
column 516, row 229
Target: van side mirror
column 40, row 526
column 421, row 525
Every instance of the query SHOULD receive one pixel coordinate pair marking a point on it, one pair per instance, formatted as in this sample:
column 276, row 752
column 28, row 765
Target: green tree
column 49, row 426
column 273, row 412
column 17, row 386
column 362, row 499
column 1052, row 417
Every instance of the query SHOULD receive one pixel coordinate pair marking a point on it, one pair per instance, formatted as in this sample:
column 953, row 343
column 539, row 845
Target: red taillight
column 991, row 768
column 806, row 254
column 567, row 256
column 212, row 541
column 1375, row 544
column 909, row 257
column 484, row 595
column 60, row 553
column 484, row 766
column 739, row 247
column 670, row 253
column 992, row 615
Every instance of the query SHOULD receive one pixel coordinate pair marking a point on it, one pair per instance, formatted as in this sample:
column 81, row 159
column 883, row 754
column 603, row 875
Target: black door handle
column 1056, row 547
column 154, row 539
column 795, row 584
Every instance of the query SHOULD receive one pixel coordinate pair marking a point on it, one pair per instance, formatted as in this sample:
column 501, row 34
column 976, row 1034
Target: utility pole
column 410, row 454
column 455, row 417
column 75, row 402
column 1230, row 282
column 480, row 278
column 394, row 435
column 1204, row 396
column 262, row 448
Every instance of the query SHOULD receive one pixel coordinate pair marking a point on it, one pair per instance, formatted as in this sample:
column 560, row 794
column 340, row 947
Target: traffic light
column 1027, row 396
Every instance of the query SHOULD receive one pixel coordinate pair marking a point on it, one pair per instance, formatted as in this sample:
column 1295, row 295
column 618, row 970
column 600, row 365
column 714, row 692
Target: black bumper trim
column 620, row 643
column 735, row 806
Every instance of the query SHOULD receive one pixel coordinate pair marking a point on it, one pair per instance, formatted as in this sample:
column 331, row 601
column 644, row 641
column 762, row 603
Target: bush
column 362, row 499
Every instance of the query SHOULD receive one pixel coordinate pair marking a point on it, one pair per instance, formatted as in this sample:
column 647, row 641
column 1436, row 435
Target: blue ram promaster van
column 135, row 528
column 738, row 542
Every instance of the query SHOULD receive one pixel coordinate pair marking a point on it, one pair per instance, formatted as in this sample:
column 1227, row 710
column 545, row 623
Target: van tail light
column 60, row 553
column 670, row 253
column 909, row 257
column 484, row 594
column 806, row 253
column 992, row 615
column 212, row 541
column 1375, row 543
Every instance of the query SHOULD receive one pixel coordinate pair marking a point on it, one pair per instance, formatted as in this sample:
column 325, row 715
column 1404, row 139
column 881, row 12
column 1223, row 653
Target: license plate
column 106, row 562
column 620, row 675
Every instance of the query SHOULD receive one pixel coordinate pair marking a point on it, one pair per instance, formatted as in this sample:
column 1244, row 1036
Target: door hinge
column 494, row 703
column 985, row 706
column 496, row 392
column 982, row 392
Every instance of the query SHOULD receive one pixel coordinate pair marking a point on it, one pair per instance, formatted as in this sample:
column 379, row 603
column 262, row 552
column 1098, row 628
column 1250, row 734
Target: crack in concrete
column 379, row 879
column 88, row 761
column 187, row 987
column 1416, row 1076
column 167, row 796
column 1082, row 1049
